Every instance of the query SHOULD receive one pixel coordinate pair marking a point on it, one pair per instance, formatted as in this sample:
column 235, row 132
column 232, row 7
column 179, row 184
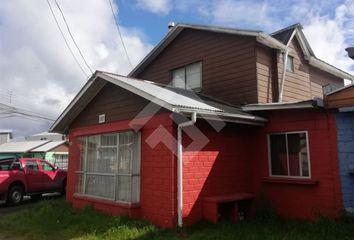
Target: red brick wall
column 158, row 164
column 221, row 167
column 295, row 199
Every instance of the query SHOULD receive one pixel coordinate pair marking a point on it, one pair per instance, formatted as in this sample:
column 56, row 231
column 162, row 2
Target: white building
column 5, row 135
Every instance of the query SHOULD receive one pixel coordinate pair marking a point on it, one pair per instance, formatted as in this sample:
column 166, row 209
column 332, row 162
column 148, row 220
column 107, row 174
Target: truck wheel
column 15, row 195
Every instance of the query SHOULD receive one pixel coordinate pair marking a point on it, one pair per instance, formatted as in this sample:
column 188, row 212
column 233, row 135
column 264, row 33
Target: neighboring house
column 342, row 100
column 5, row 135
column 126, row 133
column 46, row 136
column 56, row 152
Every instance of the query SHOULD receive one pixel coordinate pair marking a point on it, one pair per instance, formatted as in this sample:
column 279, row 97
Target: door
column 50, row 176
column 34, row 176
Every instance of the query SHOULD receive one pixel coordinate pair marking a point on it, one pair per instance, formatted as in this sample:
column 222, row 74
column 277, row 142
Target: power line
column 72, row 37
column 10, row 111
column 120, row 34
column 66, row 42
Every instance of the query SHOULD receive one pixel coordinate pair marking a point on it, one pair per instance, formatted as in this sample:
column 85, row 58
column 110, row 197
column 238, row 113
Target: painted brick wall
column 345, row 138
column 302, row 199
column 158, row 164
column 221, row 167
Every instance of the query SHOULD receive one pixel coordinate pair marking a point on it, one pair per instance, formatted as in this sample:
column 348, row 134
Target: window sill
column 93, row 199
column 285, row 180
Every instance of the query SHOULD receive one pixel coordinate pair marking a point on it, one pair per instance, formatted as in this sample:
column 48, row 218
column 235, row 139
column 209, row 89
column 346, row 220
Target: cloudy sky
column 39, row 74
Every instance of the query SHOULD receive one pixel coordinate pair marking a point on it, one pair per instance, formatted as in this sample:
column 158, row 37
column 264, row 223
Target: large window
column 188, row 77
column 109, row 167
column 289, row 155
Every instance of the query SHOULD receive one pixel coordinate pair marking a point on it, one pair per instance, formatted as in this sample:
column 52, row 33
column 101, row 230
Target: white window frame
column 84, row 173
column 292, row 69
column 198, row 89
column 287, row 155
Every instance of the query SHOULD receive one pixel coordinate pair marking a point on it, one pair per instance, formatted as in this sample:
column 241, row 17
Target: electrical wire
column 66, row 42
column 72, row 37
column 120, row 34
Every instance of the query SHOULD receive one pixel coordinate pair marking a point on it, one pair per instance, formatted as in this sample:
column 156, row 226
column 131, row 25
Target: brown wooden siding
column 117, row 103
column 343, row 98
column 61, row 148
column 228, row 64
column 304, row 83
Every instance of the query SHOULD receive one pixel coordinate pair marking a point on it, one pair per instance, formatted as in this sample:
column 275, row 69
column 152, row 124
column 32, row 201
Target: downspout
column 285, row 61
column 180, row 167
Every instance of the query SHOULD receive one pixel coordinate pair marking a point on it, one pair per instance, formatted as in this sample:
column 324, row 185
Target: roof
column 173, row 99
column 20, row 147
column 46, row 134
column 284, row 105
column 276, row 40
column 48, row 146
column 5, row 131
column 341, row 89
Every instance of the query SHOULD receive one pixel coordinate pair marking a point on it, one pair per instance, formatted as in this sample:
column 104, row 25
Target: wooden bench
column 225, row 207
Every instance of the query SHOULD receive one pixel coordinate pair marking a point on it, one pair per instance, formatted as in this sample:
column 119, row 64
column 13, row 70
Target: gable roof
column 48, row 146
column 173, row 99
column 276, row 40
column 20, row 147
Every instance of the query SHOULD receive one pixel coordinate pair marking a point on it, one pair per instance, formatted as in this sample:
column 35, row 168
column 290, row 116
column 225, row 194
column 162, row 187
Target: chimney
column 170, row 25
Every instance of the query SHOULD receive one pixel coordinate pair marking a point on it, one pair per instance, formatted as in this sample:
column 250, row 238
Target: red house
column 206, row 126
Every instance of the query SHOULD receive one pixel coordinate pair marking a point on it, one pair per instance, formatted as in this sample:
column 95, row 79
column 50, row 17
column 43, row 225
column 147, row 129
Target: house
column 5, row 135
column 342, row 102
column 204, row 127
column 56, row 152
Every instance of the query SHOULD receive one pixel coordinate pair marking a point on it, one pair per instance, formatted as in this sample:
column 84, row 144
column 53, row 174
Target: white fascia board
column 329, row 68
column 136, row 91
column 281, row 106
column 270, row 41
column 73, row 102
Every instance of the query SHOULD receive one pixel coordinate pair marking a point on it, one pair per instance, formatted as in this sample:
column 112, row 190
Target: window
column 109, row 166
column 32, row 165
column 288, row 153
column 46, row 166
column 290, row 64
column 61, row 160
column 188, row 77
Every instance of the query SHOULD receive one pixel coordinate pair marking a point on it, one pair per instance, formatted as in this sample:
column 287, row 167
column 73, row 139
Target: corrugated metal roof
column 20, row 147
column 48, row 146
column 173, row 99
column 5, row 131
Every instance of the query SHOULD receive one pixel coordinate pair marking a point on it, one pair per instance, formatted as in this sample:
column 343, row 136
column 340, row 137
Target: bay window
column 109, row 166
column 289, row 154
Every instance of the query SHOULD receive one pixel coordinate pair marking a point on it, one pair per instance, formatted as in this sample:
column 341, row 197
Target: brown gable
column 228, row 64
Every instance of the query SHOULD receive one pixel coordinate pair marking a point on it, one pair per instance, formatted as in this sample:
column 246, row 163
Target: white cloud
column 36, row 65
column 155, row 6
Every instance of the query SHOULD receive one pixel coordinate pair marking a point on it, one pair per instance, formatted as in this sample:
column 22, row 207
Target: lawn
column 55, row 219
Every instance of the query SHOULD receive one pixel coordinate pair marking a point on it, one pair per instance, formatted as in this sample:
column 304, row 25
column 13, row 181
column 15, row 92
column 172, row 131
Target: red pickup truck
column 29, row 176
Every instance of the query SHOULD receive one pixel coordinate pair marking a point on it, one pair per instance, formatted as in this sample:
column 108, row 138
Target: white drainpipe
column 180, row 167
column 280, row 99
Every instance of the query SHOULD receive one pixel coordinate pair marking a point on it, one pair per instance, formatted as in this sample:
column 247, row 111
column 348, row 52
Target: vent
column 102, row 118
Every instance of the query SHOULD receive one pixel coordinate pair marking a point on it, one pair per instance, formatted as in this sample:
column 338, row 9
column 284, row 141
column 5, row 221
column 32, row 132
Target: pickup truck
column 29, row 176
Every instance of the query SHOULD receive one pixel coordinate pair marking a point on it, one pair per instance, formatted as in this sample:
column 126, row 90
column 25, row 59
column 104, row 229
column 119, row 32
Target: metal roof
column 173, row 99
column 20, row 147
column 48, row 146
column 317, row 102
column 275, row 40
column 5, row 131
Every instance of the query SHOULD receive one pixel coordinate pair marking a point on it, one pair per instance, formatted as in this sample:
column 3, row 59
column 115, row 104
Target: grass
column 55, row 219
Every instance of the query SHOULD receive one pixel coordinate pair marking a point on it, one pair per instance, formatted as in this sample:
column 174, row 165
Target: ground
column 56, row 219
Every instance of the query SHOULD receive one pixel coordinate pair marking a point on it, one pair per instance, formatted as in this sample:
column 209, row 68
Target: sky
column 39, row 74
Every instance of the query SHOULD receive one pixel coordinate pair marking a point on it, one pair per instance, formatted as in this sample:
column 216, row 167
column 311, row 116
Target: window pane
column 279, row 162
column 297, row 149
column 290, row 64
column 32, row 165
column 123, row 188
column 46, row 166
column 136, row 189
column 136, row 155
column 81, row 147
column 126, row 148
column 102, row 186
column 79, row 186
column 193, row 75
column 92, row 154
column 178, row 78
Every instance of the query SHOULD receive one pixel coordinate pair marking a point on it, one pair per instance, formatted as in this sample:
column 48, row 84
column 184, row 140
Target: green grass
column 55, row 219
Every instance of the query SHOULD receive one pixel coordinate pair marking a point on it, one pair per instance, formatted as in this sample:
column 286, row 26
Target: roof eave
column 313, row 61
column 315, row 103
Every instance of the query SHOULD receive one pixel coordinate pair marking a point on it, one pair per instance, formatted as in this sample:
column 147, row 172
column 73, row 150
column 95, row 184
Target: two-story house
column 212, row 122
